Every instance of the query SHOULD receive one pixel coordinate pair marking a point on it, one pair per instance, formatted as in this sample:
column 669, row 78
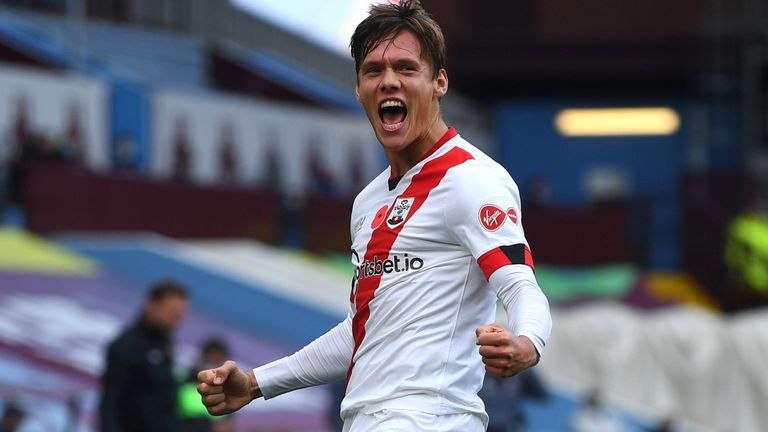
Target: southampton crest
column 399, row 212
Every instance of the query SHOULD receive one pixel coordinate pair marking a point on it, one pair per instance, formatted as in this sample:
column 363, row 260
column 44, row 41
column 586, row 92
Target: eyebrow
column 369, row 63
column 408, row 62
column 397, row 62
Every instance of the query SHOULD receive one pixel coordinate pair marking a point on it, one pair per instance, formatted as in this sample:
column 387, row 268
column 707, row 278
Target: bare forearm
column 253, row 385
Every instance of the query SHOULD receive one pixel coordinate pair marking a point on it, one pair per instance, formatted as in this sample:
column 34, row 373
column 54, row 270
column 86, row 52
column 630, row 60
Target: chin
column 397, row 136
column 394, row 143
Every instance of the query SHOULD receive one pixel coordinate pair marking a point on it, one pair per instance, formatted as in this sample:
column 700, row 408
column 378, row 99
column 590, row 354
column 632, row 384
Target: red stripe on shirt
column 444, row 139
column 496, row 258
column 384, row 237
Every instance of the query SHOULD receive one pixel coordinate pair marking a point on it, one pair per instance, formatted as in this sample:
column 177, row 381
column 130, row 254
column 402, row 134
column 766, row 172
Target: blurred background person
column 214, row 352
column 594, row 416
column 664, row 425
column 139, row 392
column 182, row 151
column 228, row 157
column 12, row 418
column 72, row 144
column 503, row 398
column 746, row 257
column 75, row 422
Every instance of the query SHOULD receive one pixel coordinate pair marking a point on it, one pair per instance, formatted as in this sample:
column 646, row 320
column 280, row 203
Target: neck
column 401, row 161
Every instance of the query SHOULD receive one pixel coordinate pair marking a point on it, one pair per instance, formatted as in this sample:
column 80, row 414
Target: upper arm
column 485, row 217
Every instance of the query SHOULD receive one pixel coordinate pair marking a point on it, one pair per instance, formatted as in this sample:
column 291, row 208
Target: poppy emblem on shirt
column 512, row 215
column 379, row 218
column 492, row 217
column 399, row 212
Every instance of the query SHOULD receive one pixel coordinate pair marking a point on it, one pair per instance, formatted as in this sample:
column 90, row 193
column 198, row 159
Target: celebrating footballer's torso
column 417, row 290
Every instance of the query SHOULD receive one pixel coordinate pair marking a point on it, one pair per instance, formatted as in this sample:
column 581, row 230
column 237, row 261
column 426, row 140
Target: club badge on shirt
column 492, row 217
column 399, row 212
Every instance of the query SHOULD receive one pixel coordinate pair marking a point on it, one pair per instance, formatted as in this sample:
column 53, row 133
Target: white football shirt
column 427, row 249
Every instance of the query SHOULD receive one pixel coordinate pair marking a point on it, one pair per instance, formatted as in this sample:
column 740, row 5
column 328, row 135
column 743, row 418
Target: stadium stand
column 156, row 57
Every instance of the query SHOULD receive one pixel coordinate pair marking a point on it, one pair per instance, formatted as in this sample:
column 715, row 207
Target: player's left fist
column 503, row 353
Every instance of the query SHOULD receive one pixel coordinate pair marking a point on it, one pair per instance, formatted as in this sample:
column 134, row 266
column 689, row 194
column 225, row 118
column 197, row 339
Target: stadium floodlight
column 574, row 122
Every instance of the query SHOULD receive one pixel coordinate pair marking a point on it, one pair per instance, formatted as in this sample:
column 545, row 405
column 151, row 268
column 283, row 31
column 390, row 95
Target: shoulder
column 479, row 178
column 478, row 183
column 479, row 168
column 379, row 183
column 129, row 339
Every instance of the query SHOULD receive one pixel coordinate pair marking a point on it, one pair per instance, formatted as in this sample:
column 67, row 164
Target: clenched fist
column 505, row 354
column 226, row 389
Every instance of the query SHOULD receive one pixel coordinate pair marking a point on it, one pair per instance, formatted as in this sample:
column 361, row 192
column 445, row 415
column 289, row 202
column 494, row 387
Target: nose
column 389, row 80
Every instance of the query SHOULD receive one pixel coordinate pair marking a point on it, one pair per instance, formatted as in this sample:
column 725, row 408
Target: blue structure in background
column 131, row 120
column 28, row 39
column 531, row 148
column 303, row 81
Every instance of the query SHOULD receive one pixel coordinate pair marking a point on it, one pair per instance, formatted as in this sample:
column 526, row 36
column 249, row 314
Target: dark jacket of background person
column 139, row 387
column 139, row 392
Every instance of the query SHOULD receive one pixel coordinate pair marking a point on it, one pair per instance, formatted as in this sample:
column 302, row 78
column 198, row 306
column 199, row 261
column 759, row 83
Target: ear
column 357, row 92
column 441, row 83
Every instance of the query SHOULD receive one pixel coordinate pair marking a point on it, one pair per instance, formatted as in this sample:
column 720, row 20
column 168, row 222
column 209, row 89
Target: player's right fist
column 226, row 389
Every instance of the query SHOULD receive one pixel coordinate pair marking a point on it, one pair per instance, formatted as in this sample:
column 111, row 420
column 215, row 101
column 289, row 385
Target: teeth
column 391, row 103
column 392, row 127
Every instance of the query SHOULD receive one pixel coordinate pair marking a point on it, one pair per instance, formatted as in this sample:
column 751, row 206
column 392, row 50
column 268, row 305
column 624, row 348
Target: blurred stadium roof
column 328, row 23
column 501, row 48
column 496, row 48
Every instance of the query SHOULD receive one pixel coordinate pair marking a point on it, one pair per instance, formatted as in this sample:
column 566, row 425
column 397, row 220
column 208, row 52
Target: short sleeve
column 483, row 212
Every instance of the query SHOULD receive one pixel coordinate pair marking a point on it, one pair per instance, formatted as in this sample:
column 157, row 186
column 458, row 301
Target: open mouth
column 392, row 113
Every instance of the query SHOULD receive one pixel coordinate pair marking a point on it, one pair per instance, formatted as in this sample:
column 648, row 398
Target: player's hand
column 505, row 354
column 226, row 389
